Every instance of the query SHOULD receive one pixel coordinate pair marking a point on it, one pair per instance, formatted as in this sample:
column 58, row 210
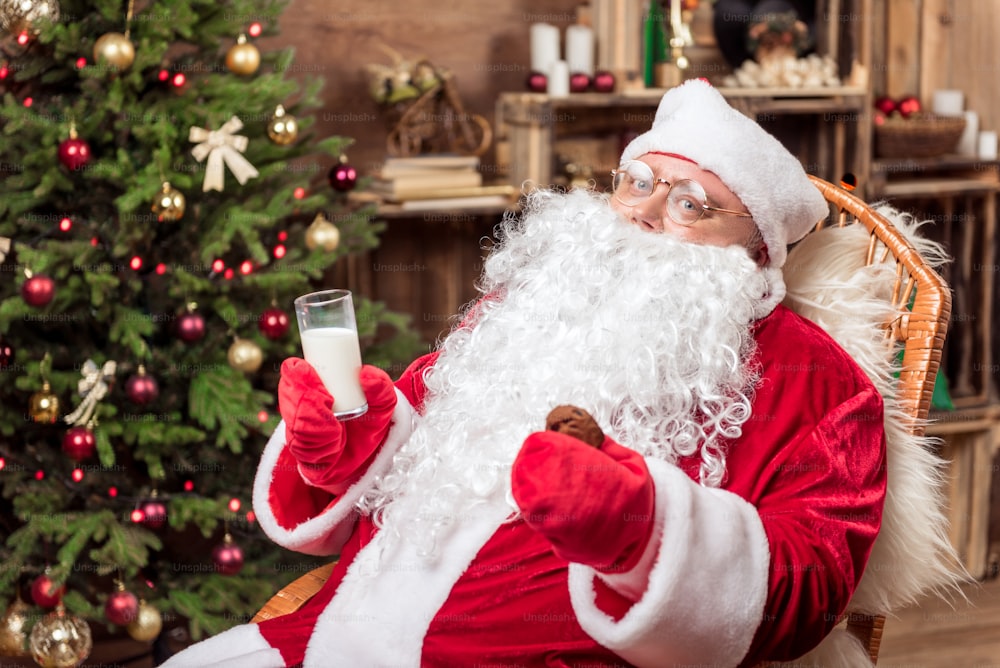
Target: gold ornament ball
column 115, row 49
column 169, row 204
column 19, row 15
column 147, row 623
column 243, row 58
column 245, row 355
column 60, row 640
column 12, row 627
column 283, row 128
column 44, row 406
column 321, row 233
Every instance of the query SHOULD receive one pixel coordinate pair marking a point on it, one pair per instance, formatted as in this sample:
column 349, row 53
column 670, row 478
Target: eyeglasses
column 687, row 202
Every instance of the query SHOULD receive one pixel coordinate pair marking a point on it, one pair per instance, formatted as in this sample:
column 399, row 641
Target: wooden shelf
column 931, row 187
column 961, row 421
column 534, row 128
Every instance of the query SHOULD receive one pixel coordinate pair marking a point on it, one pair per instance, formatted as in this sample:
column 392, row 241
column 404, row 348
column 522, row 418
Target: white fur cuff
column 240, row 647
column 325, row 534
column 707, row 588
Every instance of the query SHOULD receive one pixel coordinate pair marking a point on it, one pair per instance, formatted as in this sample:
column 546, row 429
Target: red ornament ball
column 908, row 106
column 44, row 592
column 190, row 327
column 121, row 608
column 343, row 177
column 273, row 323
column 537, row 82
column 38, row 290
column 6, row 354
column 579, row 82
column 604, row 82
column 142, row 388
column 74, row 153
column 79, row 443
column 228, row 558
column 885, row 104
column 154, row 513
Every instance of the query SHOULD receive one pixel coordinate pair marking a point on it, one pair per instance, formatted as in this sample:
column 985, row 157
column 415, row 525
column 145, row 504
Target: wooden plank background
column 937, row 44
column 485, row 46
column 920, row 46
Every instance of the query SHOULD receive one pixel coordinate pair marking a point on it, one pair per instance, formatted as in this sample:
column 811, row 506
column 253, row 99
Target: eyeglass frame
column 670, row 186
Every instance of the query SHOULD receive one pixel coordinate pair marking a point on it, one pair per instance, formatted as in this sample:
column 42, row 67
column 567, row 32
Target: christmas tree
column 162, row 205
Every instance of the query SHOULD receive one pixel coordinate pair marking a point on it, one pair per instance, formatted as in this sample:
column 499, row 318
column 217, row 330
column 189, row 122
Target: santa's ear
column 762, row 258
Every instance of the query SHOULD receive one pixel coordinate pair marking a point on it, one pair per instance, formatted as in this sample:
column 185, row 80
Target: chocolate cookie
column 575, row 422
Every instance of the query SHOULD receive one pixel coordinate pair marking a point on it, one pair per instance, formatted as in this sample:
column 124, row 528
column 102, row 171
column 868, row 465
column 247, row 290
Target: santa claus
column 724, row 518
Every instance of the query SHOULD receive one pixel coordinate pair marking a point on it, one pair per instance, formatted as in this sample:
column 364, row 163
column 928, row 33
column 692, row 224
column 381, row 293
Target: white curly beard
column 647, row 333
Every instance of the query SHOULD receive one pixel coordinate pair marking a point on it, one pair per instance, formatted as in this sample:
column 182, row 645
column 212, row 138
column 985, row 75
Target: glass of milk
column 329, row 334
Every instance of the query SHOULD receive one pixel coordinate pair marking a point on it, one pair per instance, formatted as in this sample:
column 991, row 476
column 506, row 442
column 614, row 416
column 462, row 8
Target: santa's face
column 712, row 229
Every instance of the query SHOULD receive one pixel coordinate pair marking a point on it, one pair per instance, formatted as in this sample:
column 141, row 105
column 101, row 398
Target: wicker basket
column 919, row 136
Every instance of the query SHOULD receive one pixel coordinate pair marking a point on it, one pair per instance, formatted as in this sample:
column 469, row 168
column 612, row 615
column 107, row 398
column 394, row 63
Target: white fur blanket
column 829, row 284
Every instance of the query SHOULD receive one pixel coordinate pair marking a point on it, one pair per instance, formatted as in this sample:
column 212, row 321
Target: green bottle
column 654, row 42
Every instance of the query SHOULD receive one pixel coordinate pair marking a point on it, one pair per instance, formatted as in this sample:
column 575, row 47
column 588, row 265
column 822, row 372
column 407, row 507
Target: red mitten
column 332, row 454
column 594, row 505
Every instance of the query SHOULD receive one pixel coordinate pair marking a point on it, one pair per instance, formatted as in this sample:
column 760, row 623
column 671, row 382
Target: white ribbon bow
column 222, row 147
column 92, row 387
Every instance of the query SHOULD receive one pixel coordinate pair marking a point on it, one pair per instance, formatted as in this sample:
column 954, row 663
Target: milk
column 336, row 355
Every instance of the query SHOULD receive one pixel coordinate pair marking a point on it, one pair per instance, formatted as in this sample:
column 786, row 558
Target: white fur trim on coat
column 218, row 651
column 326, row 533
column 390, row 594
column 712, row 564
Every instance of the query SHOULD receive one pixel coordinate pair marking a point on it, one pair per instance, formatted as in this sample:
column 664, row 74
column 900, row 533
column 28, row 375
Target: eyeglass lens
column 634, row 182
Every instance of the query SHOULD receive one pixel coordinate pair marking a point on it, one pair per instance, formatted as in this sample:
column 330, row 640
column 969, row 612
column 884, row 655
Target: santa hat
column 695, row 122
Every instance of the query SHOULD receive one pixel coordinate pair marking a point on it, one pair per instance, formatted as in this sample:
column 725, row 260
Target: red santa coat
column 757, row 570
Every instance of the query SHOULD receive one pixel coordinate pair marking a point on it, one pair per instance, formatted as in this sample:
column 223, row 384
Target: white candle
column 987, row 145
column 336, row 355
column 544, row 46
column 580, row 49
column 948, row 102
column 968, row 144
column 559, row 79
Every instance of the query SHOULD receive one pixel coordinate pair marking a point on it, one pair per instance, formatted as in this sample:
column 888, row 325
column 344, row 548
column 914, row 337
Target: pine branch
column 125, row 548
column 218, row 401
column 77, row 603
column 156, row 437
column 203, row 512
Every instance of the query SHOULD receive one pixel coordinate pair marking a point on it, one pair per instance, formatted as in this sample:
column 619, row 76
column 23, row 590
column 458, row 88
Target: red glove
column 332, row 454
column 594, row 505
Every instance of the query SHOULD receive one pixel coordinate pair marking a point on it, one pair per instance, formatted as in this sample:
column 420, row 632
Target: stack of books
column 437, row 181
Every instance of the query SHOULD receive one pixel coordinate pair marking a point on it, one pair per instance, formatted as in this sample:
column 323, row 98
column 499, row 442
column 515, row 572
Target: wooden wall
column 920, row 46
column 485, row 45
column 936, row 44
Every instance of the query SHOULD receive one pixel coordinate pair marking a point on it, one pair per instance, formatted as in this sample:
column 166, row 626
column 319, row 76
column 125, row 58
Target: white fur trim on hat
column 695, row 121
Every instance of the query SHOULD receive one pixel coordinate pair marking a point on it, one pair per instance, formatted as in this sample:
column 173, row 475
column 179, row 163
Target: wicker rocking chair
column 921, row 333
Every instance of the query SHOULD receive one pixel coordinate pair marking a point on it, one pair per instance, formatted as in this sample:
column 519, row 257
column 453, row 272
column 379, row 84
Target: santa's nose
column 648, row 214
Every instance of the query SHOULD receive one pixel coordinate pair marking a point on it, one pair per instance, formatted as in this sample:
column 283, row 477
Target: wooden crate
column 959, row 197
column 970, row 443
